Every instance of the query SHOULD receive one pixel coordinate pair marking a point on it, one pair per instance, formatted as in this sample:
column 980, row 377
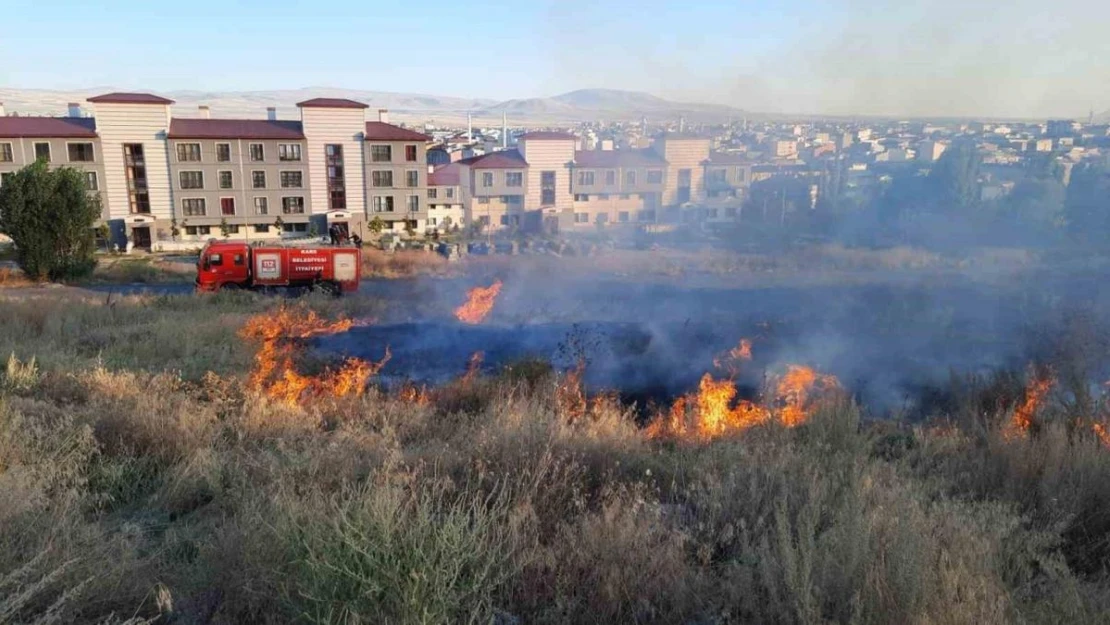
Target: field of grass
column 142, row 479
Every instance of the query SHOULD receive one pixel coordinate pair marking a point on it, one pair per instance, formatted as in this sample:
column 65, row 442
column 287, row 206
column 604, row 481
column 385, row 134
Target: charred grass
column 134, row 484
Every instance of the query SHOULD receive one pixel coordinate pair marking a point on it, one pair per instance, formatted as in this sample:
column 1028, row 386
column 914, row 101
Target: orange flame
column 569, row 394
column 731, row 360
column 1035, row 393
column 473, row 367
column 479, row 303
column 282, row 334
column 710, row 413
column 1102, row 434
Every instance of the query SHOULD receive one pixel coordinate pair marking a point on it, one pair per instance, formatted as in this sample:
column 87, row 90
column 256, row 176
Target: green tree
column 953, row 183
column 279, row 224
column 225, row 228
column 49, row 215
column 376, row 225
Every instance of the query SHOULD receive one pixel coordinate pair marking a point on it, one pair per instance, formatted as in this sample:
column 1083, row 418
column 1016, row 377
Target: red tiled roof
column 333, row 103
column 547, row 134
column 444, row 176
column 507, row 159
column 129, row 98
column 381, row 131
column 47, row 127
column 618, row 158
column 728, row 158
column 234, row 129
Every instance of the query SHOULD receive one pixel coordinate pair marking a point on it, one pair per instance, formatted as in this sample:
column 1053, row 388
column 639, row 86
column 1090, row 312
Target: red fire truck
column 232, row 266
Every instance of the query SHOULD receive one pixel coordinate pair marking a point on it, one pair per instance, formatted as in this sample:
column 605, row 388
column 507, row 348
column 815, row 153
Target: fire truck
column 230, row 266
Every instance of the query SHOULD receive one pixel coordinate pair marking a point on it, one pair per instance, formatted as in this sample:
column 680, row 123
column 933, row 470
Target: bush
column 49, row 216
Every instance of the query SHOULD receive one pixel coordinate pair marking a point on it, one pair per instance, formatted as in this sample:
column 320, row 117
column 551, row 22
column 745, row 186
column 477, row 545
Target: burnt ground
column 889, row 340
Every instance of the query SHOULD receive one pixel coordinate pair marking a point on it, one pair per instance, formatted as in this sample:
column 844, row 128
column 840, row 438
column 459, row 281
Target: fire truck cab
column 234, row 265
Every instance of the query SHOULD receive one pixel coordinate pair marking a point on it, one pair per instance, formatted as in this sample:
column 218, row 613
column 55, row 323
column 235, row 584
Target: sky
column 1020, row 58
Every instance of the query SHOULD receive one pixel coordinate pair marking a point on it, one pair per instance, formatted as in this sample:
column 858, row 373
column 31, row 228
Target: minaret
column 504, row 130
column 469, row 127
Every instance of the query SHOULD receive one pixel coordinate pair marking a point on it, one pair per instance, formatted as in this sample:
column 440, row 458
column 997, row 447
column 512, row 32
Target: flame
column 569, row 394
column 479, row 303
column 419, row 395
column 281, row 335
column 1035, row 393
column 731, row 360
column 710, row 412
column 473, row 367
column 1102, row 434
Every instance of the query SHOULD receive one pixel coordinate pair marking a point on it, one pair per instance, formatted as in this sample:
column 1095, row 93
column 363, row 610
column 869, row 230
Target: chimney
column 74, row 109
column 383, row 116
column 469, row 127
column 204, row 111
column 271, row 113
column 504, row 130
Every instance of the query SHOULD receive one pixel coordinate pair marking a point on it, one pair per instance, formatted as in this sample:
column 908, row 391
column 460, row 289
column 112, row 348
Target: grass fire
column 589, row 451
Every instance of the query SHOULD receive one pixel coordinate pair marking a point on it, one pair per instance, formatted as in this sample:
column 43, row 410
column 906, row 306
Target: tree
column 279, row 224
column 49, row 215
column 225, row 228
column 376, row 225
column 954, row 180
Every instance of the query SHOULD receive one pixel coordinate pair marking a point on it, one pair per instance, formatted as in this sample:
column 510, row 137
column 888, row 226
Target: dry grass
column 405, row 264
column 132, row 485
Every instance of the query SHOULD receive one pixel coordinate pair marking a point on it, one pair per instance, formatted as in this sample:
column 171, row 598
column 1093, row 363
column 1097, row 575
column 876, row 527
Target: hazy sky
column 928, row 57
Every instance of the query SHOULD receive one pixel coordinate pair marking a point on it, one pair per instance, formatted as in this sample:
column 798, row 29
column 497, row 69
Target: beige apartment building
column 396, row 162
column 496, row 188
column 445, row 199
column 617, row 186
column 60, row 141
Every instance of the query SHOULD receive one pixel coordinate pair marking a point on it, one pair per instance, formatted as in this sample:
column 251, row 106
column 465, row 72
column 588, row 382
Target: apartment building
column 164, row 179
column 61, row 141
column 445, row 199
column 396, row 162
column 617, row 186
column 495, row 189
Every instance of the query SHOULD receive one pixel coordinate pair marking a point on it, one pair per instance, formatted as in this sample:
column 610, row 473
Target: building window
column 292, row 205
column 258, row 153
column 292, row 179
column 234, row 229
column 487, row 179
column 414, row 203
column 381, row 178
column 289, row 152
column 382, row 203
column 483, row 199
column 225, row 179
column 646, row 215
column 603, row 196
column 504, row 220
column 410, row 153
column 431, row 194
column 227, row 206
column 412, row 178
column 717, row 176
column 80, row 152
column 188, row 152
column 295, row 227
column 191, row 179
column 630, row 178
column 337, row 189
column 261, row 206
column 223, row 152
column 258, row 179
column 586, row 178
column 625, row 196
column 6, row 154
column 450, row 192
column 191, row 230
column 581, row 197
column 655, row 176
column 262, row 228
column 610, row 177
column 138, row 194
column 91, row 183
column 484, row 220
column 193, row 207
column 622, row 217
column 581, row 218
column 381, row 153
column 42, row 152
column 602, row 218
column 547, row 188
column 514, row 179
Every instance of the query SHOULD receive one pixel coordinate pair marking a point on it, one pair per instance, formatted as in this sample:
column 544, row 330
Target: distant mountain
column 580, row 105
column 1103, row 118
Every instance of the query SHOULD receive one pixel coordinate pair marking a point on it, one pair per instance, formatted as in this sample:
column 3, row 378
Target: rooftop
column 129, row 98
column 234, row 129
column 381, row 131
column 47, row 127
column 444, row 176
column 618, row 158
column 332, row 103
column 729, row 158
column 507, row 159
column 548, row 135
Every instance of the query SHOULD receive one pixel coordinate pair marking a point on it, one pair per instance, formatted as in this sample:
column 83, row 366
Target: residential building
column 495, row 187
column 445, row 199
column 616, row 186
column 396, row 164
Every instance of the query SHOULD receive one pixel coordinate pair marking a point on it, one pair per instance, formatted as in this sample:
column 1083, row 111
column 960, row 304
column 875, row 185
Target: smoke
column 1022, row 59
